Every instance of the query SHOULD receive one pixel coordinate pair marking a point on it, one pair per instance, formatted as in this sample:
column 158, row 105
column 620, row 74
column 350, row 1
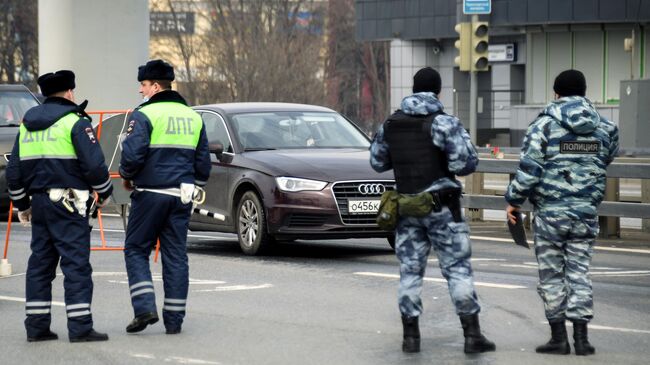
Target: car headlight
column 294, row 184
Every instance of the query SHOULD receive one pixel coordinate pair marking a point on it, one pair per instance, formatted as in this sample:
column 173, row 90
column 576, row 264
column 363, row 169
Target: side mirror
column 217, row 149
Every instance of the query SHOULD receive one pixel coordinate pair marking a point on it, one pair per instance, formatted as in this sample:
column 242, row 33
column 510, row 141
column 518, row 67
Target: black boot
column 559, row 342
column 581, row 344
column 411, row 341
column 141, row 322
column 91, row 336
column 475, row 342
column 46, row 336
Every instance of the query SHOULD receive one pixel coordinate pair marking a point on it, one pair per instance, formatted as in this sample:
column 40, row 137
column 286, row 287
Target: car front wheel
column 251, row 225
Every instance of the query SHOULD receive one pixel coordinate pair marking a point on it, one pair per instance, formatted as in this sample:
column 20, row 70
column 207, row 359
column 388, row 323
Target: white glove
column 25, row 216
column 187, row 192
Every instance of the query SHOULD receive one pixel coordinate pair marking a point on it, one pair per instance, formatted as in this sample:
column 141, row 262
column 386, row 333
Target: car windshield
column 13, row 106
column 278, row 130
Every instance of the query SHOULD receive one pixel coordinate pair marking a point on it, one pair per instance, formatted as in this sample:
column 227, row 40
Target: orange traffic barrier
column 113, row 175
column 155, row 256
column 103, row 113
column 11, row 213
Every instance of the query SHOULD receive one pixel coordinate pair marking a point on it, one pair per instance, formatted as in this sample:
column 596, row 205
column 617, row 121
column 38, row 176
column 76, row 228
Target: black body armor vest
column 416, row 161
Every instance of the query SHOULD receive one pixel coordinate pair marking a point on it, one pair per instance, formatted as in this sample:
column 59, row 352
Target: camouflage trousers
column 563, row 246
column 450, row 240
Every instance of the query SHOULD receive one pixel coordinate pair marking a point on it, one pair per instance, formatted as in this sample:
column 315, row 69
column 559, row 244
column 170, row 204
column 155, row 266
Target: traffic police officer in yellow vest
column 57, row 161
column 164, row 157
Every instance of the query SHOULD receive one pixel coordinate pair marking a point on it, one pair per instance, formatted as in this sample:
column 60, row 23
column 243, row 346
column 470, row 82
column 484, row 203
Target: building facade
column 542, row 38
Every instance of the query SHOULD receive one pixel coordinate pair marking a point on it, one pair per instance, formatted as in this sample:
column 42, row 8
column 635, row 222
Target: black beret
column 570, row 83
column 427, row 79
column 51, row 83
column 156, row 70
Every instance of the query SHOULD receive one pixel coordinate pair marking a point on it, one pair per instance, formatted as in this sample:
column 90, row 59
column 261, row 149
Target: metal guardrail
column 622, row 167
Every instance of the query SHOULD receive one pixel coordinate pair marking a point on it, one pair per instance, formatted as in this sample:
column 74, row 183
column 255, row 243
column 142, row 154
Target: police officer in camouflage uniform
column 562, row 172
column 426, row 148
column 164, row 156
column 57, row 161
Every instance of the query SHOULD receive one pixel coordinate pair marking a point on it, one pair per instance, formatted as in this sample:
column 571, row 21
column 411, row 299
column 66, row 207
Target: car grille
column 306, row 220
column 350, row 190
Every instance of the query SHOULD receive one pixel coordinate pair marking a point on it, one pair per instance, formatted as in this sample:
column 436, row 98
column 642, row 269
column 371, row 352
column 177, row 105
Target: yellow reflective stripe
column 174, row 125
column 53, row 142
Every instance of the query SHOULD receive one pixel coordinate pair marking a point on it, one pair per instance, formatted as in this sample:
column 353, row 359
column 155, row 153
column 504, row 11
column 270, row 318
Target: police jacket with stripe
column 56, row 148
column 166, row 144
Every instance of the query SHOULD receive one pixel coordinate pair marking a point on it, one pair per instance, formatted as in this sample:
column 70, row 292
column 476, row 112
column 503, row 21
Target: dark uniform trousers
column 58, row 234
column 154, row 216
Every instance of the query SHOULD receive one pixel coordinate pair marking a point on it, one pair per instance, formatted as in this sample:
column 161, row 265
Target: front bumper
column 318, row 215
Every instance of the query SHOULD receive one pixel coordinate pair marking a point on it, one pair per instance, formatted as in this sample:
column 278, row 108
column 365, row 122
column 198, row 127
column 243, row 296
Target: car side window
column 215, row 129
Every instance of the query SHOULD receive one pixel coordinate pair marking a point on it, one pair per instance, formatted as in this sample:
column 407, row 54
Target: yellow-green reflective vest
column 174, row 125
column 53, row 142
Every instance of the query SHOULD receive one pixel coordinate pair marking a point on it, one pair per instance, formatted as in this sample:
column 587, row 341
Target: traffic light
column 479, row 47
column 463, row 45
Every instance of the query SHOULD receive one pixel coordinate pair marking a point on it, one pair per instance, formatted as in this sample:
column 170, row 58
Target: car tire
column 250, row 224
column 391, row 241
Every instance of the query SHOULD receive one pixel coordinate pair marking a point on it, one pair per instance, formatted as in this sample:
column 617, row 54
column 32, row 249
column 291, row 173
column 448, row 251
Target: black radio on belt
column 449, row 198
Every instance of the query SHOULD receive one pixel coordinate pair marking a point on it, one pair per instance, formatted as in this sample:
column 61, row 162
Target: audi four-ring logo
column 367, row 189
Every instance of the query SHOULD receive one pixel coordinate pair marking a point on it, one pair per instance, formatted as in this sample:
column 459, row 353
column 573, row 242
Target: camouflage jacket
column 447, row 133
column 564, row 158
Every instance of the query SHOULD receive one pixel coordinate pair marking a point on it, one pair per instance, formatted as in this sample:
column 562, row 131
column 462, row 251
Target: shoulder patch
column 129, row 129
column 584, row 147
column 91, row 135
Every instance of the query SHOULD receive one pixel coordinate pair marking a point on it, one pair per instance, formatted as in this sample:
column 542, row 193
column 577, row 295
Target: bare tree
column 276, row 50
column 178, row 46
column 19, row 42
column 247, row 50
column 357, row 73
column 262, row 52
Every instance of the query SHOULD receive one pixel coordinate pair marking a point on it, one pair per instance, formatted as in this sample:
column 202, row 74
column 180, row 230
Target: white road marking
column 185, row 360
column 176, row 359
column 234, row 288
column 143, row 356
column 17, row 299
column 607, row 328
column 616, row 249
column 518, row 265
column 205, row 282
column 613, row 273
column 108, row 273
column 438, row 280
column 11, row 276
column 626, row 275
column 532, row 265
column 613, row 249
column 158, row 278
column 495, row 239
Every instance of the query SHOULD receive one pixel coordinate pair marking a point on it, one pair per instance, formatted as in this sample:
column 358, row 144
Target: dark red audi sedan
column 283, row 172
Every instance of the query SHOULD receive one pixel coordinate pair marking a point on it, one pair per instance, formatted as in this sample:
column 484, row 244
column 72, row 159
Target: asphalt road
column 329, row 303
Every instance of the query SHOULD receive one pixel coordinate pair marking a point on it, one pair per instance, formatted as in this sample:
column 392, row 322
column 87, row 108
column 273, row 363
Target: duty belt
column 196, row 196
column 69, row 198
